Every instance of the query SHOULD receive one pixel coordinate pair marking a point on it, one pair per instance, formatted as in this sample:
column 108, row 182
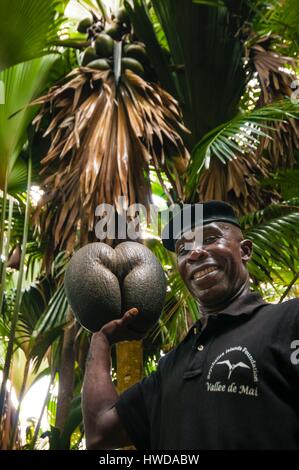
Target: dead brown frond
column 103, row 138
column 275, row 73
column 237, row 183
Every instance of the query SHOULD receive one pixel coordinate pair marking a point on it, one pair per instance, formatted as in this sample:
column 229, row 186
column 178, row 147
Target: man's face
column 215, row 270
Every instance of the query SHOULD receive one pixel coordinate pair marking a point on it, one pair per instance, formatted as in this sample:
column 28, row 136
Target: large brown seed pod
column 102, row 283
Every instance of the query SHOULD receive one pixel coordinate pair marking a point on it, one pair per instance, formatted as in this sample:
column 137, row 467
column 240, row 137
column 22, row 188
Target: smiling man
column 230, row 384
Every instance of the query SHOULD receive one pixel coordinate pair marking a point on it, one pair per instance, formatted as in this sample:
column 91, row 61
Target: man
column 232, row 383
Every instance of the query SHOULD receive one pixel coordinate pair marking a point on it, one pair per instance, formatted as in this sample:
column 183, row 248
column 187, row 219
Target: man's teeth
column 202, row 273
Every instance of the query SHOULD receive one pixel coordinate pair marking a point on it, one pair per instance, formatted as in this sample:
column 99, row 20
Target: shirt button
column 200, row 347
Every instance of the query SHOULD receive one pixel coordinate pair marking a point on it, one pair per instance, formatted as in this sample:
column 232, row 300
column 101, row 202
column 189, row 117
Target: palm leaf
column 241, row 135
column 286, row 181
column 27, row 27
column 55, row 316
column 275, row 73
column 211, row 3
column 205, row 41
column 144, row 26
column 74, row 420
column 281, row 18
column 103, row 140
column 274, row 232
column 237, row 182
column 22, row 83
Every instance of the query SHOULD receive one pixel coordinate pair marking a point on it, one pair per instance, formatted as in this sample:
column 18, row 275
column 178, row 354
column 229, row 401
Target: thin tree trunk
column 6, row 251
column 20, row 398
column 38, row 425
column 66, row 374
column 15, row 317
column 294, row 280
column 129, row 360
column 129, row 366
column 3, row 213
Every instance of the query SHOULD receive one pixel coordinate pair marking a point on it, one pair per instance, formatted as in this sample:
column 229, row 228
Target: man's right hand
column 119, row 330
column 103, row 426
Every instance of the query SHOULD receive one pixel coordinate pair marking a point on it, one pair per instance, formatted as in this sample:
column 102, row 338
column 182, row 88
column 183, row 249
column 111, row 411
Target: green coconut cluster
column 102, row 37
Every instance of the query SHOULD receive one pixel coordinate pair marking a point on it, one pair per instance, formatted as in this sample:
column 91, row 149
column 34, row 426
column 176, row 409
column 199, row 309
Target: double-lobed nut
column 102, row 283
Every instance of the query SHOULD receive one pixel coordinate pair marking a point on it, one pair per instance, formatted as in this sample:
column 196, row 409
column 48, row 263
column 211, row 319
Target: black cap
column 188, row 216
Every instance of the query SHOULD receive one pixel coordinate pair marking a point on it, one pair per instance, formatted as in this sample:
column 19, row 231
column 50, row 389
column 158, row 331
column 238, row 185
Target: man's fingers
column 116, row 330
column 133, row 311
column 129, row 315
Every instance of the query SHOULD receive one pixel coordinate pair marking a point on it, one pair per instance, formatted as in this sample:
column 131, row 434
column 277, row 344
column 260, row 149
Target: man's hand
column 103, row 426
column 119, row 330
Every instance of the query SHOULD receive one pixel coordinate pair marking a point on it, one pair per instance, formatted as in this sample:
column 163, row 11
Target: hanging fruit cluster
column 102, row 35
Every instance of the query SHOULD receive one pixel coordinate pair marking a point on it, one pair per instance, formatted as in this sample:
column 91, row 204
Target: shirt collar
column 247, row 304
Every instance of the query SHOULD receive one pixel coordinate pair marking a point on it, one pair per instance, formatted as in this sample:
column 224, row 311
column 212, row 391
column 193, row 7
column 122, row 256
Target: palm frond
column 22, row 83
column 103, row 139
column 201, row 39
column 96, row 7
column 210, row 3
column 281, row 18
column 27, row 27
column 275, row 73
column 144, row 26
column 285, row 181
column 238, row 183
column 192, row 51
column 274, row 232
column 241, row 135
column 55, row 316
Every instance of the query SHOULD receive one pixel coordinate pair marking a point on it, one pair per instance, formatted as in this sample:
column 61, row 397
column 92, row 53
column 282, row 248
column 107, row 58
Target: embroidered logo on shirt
column 233, row 371
column 232, row 367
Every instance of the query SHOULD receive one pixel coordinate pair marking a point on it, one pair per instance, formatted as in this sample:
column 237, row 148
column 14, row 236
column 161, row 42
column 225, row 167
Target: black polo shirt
column 233, row 384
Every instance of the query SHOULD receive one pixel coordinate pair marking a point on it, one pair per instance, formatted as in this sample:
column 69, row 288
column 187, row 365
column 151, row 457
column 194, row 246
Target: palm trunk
column 2, row 231
column 38, row 425
column 15, row 317
column 6, row 422
column 3, row 274
column 21, row 396
column 4, row 198
column 129, row 359
column 129, row 364
column 66, row 374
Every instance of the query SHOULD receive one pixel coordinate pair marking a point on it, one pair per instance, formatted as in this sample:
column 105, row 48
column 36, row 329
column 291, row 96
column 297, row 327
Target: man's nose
column 196, row 253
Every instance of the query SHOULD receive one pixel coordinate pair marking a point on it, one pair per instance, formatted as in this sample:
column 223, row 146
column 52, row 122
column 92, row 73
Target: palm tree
column 21, row 83
column 243, row 144
column 28, row 79
column 213, row 75
column 84, row 167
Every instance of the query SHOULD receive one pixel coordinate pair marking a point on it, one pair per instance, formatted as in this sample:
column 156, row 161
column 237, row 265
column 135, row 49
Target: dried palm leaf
column 237, row 183
column 275, row 74
column 103, row 138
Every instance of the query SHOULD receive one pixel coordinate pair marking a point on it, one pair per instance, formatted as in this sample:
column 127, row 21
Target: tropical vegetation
column 165, row 100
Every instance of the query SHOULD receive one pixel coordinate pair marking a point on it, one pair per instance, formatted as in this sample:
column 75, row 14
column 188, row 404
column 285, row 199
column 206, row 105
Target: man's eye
column 209, row 240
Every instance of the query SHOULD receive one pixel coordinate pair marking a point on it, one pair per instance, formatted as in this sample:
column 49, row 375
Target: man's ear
column 246, row 250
